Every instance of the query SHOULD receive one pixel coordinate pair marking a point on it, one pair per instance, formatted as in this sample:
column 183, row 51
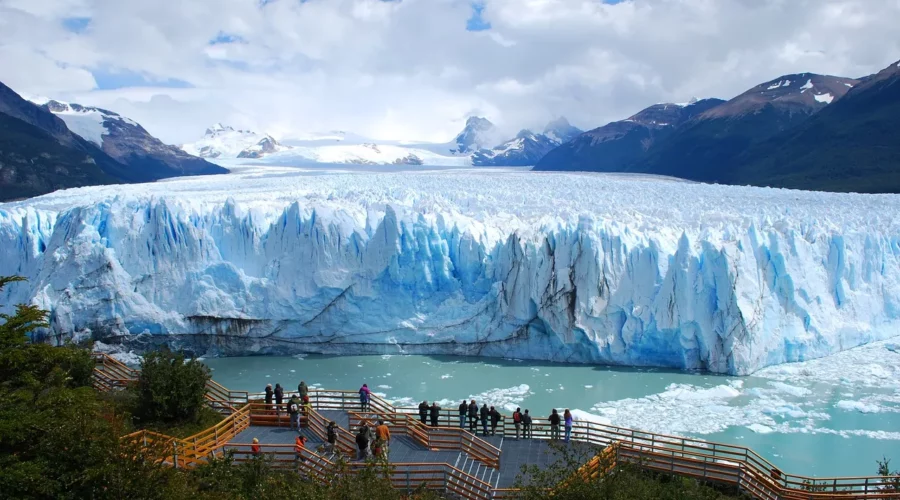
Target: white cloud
column 409, row 69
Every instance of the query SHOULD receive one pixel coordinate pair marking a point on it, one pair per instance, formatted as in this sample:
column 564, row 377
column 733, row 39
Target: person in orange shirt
column 384, row 435
column 254, row 448
column 299, row 446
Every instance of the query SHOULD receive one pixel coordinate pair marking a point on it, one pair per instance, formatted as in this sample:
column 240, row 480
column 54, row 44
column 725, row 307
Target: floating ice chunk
column 446, row 376
column 858, row 406
column 588, row 387
column 384, row 387
column 760, row 428
column 583, row 416
column 790, row 389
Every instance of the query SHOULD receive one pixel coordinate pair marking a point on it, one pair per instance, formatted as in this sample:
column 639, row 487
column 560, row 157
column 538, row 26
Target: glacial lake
column 829, row 417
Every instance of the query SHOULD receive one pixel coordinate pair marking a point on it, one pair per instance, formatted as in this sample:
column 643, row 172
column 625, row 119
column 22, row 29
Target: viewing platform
column 451, row 459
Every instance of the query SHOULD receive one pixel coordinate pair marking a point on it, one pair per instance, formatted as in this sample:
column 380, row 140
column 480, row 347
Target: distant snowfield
column 595, row 268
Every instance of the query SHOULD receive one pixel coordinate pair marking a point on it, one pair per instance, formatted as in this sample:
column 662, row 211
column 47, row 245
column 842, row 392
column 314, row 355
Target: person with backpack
column 485, row 413
column 303, row 389
column 423, row 412
column 331, row 439
column 435, row 413
column 517, row 421
column 473, row 416
column 362, row 441
column 364, row 396
column 554, row 424
column 567, row 420
column 463, row 411
column 294, row 412
column 495, row 419
column 526, row 425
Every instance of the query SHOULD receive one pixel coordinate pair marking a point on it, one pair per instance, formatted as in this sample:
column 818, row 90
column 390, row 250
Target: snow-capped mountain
column 803, row 93
column 526, row 148
column 223, row 141
column 128, row 142
column 367, row 153
column 479, row 133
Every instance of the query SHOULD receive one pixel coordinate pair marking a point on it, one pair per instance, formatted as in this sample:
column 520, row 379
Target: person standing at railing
column 279, row 397
column 294, row 411
column 423, row 412
column 364, row 396
column 269, row 394
column 435, row 413
column 463, row 411
column 495, row 419
column 485, row 413
column 517, row 421
column 567, row 420
column 473, row 416
column 303, row 389
column 526, row 425
column 254, row 448
column 554, row 424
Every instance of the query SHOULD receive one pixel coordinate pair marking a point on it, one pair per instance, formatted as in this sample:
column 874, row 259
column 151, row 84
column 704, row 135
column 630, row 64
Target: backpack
column 517, row 417
column 293, row 408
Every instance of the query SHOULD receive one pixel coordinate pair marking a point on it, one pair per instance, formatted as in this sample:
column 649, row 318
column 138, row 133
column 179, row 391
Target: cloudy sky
column 415, row 69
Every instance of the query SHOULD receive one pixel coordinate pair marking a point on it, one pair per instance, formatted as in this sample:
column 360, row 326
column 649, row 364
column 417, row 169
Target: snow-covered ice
column 629, row 270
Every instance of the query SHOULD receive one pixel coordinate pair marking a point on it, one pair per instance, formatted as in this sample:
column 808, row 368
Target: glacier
column 586, row 268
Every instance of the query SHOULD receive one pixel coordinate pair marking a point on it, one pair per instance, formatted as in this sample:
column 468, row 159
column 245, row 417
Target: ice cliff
column 563, row 267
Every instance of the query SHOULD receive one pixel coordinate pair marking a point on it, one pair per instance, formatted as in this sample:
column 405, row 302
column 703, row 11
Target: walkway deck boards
column 514, row 453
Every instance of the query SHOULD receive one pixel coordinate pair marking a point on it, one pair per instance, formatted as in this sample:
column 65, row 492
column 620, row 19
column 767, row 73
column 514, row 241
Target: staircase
column 476, row 469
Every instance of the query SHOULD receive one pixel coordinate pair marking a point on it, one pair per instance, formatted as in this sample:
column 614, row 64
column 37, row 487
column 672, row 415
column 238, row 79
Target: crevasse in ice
column 552, row 267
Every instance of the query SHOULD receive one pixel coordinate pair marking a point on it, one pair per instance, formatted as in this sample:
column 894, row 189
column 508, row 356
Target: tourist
column 554, row 425
column 362, row 441
column 463, row 411
column 269, row 394
column 303, row 389
column 435, row 413
column 423, row 412
column 254, row 448
column 364, row 395
column 567, row 419
column 307, row 406
column 383, row 434
column 279, row 396
column 294, row 412
column 526, row 425
column 299, row 446
column 331, row 439
column 473, row 416
column 484, row 419
column 495, row 419
column 517, row 421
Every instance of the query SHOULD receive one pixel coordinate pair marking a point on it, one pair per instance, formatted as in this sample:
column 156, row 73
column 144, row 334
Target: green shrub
column 170, row 389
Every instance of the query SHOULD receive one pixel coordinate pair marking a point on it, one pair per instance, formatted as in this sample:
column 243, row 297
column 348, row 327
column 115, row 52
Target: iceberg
column 584, row 268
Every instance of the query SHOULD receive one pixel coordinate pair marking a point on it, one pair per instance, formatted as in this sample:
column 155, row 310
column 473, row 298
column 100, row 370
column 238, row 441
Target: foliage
column 891, row 479
column 170, row 389
column 568, row 480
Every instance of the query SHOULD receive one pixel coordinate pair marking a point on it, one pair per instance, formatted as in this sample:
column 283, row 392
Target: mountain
column 126, row 141
column 614, row 146
column 39, row 154
column 561, row 131
column 526, row 148
column 851, row 145
column 705, row 148
column 222, row 141
column 477, row 134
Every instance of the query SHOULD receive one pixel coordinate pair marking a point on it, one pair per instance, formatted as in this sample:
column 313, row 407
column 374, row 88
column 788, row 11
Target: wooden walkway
column 454, row 461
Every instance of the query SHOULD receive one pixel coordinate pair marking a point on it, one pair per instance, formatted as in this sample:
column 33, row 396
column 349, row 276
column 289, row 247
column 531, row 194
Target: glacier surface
column 570, row 267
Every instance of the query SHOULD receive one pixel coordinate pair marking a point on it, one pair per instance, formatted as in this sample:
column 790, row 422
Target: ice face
column 562, row 267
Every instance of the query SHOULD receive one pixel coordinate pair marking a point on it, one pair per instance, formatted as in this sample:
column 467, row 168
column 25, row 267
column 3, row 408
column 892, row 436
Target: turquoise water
column 792, row 420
